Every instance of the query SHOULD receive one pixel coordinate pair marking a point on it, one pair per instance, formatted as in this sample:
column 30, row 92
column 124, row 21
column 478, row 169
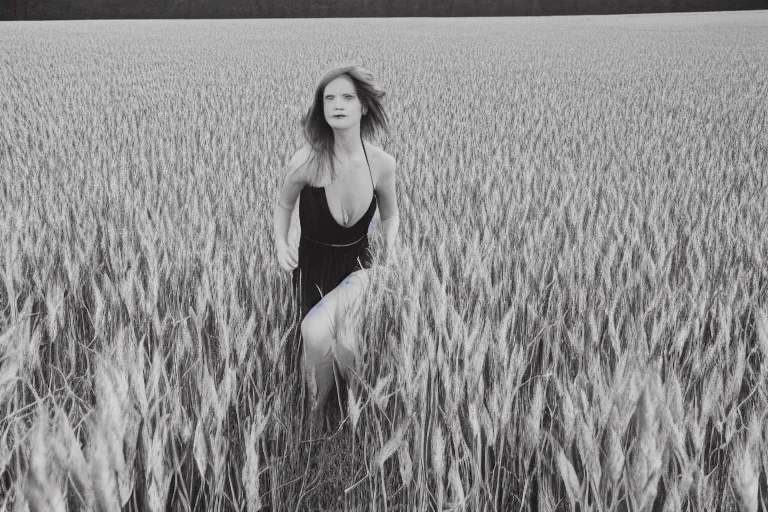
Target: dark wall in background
column 158, row 9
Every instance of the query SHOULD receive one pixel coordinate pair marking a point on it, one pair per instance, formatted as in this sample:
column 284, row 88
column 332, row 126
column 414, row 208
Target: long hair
column 319, row 133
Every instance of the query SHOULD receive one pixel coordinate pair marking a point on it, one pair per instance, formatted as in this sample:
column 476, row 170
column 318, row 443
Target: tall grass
column 579, row 316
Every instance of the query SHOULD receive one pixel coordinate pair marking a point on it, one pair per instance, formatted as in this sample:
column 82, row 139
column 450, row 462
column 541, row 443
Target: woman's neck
column 347, row 144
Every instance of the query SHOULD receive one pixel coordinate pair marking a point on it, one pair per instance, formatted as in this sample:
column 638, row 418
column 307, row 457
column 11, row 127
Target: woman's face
column 341, row 105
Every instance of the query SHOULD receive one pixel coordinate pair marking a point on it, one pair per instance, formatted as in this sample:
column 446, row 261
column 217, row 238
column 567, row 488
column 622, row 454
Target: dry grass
column 581, row 308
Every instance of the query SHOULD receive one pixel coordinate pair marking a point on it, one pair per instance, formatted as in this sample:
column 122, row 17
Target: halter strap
column 369, row 165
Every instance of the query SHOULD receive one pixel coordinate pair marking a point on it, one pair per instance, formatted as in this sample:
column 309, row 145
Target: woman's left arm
column 387, row 199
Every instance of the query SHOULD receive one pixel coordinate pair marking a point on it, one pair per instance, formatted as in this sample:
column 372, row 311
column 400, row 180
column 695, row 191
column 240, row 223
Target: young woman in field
column 340, row 179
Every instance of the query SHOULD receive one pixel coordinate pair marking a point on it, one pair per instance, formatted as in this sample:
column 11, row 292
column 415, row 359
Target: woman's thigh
column 341, row 307
column 351, row 292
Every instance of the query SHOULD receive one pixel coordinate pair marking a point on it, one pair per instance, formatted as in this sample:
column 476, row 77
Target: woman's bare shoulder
column 374, row 150
column 384, row 159
column 298, row 164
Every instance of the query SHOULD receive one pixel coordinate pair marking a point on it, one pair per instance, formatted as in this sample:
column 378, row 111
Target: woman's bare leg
column 320, row 336
column 349, row 319
column 317, row 332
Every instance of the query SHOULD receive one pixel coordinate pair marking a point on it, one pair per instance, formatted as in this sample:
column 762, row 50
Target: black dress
column 328, row 252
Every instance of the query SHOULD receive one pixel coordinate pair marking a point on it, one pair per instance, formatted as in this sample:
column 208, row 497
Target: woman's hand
column 287, row 257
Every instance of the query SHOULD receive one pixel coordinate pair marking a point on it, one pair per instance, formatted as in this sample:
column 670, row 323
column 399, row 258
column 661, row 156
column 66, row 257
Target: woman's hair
column 318, row 132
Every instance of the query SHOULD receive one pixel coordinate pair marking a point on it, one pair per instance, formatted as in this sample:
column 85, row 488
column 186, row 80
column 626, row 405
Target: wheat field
column 579, row 320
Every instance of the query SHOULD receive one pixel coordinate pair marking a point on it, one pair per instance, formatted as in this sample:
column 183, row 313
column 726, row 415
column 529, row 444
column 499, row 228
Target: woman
column 341, row 180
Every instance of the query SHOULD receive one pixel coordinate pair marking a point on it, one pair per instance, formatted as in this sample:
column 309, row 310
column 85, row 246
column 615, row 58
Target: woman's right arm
column 295, row 180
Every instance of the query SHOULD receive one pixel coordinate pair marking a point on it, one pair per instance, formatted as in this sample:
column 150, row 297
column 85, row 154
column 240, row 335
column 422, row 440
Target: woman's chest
column 350, row 194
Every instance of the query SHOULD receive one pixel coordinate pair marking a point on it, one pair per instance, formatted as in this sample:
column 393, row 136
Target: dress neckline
column 327, row 207
column 373, row 197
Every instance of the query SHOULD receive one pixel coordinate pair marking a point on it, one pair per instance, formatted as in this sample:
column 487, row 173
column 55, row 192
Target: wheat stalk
column 568, row 474
column 438, row 461
column 43, row 481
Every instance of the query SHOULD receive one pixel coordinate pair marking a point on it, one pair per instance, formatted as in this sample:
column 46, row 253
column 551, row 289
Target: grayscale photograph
column 387, row 256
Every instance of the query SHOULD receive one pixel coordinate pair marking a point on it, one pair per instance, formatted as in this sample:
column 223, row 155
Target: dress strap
column 369, row 165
